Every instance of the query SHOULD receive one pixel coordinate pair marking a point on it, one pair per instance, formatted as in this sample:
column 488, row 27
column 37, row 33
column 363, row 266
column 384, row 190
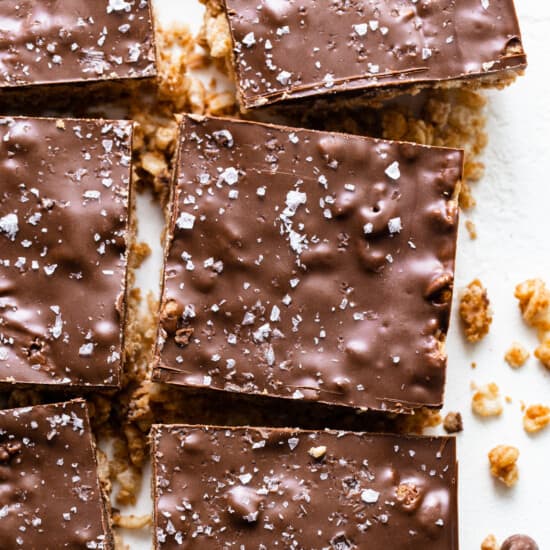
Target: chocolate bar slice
column 50, row 492
column 64, row 195
column 46, row 43
column 281, row 488
column 308, row 265
column 282, row 50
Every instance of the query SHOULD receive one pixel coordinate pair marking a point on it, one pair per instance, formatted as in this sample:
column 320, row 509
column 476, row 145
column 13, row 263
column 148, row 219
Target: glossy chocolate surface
column 50, row 497
column 308, row 265
column 64, row 187
column 260, row 488
column 291, row 49
column 74, row 41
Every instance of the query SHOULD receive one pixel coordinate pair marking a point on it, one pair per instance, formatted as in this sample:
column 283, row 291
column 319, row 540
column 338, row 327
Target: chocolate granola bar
column 308, row 265
column 46, row 45
column 50, row 492
column 284, row 50
column 64, row 195
column 279, row 488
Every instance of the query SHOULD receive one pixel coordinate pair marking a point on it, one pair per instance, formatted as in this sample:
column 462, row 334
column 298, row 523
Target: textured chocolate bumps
column 50, row 495
column 276, row 488
column 64, row 193
column 308, row 265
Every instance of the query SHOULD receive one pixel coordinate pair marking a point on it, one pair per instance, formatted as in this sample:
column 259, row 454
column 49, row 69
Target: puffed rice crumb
column 536, row 418
column 486, row 400
column 489, row 543
column 131, row 521
column 542, row 352
column 534, row 303
column 516, row 356
column 503, row 464
column 475, row 311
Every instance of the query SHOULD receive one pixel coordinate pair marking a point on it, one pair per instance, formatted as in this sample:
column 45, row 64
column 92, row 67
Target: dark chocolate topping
column 51, row 42
column 519, row 542
column 50, row 496
column 63, row 220
column 266, row 488
column 308, row 265
column 288, row 49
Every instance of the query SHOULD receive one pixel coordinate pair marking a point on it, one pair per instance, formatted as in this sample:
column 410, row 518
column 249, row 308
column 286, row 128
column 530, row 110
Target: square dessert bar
column 64, row 195
column 308, row 265
column 50, row 492
column 46, row 42
column 279, row 488
column 289, row 49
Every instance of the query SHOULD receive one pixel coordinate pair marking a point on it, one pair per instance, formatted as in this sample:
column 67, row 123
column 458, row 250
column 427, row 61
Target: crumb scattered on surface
column 486, row 401
column 534, row 303
column 503, row 463
column 471, row 228
column 535, row 418
column 516, row 356
column 453, row 422
column 475, row 311
column 542, row 352
column 489, row 543
column 131, row 521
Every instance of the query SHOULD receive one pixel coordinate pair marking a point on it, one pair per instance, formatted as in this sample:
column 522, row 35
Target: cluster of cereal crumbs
column 178, row 91
column 153, row 145
column 489, row 543
column 516, row 356
column 534, row 303
column 486, row 400
column 452, row 422
column 175, row 44
column 132, row 413
column 475, row 311
column 503, row 462
column 535, row 418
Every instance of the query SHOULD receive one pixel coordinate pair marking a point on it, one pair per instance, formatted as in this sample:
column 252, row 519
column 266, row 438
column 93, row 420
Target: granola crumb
column 471, row 228
column 473, row 364
column 516, row 356
column 503, row 464
column 534, row 303
column 140, row 252
column 486, row 401
column 131, row 521
column 453, row 422
column 475, row 312
column 317, row 452
column 489, row 543
column 542, row 353
column 536, row 418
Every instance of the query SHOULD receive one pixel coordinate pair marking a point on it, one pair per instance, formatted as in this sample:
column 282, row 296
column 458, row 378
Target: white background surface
column 513, row 222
